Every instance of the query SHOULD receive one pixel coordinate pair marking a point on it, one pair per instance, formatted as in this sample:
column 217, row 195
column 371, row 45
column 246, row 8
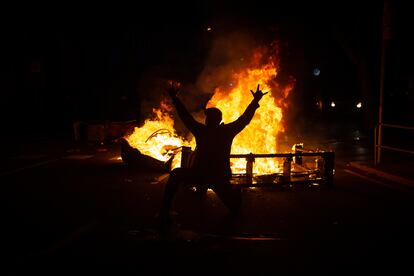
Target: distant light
column 316, row 72
column 319, row 104
column 333, row 104
column 359, row 105
column 209, row 29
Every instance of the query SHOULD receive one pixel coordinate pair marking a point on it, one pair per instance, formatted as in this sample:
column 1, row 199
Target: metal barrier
column 378, row 146
column 322, row 173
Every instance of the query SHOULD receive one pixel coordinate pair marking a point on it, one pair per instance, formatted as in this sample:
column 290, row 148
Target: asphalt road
column 86, row 212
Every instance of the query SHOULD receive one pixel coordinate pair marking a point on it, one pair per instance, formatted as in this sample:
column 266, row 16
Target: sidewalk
column 394, row 168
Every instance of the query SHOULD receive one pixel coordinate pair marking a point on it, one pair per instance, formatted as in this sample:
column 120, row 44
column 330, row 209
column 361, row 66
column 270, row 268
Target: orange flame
column 157, row 137
column 260, row 136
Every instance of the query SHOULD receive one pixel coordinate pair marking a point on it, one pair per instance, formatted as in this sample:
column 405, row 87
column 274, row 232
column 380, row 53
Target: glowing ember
column 157, row 138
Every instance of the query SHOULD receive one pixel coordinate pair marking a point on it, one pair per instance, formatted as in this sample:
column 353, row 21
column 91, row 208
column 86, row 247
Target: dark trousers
column 230, row 196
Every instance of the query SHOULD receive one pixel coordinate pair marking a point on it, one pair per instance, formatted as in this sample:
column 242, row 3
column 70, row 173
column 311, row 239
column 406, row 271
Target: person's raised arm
column 248, row 114
column 183, row 113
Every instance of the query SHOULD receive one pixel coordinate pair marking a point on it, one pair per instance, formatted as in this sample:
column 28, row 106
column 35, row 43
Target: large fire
column 158, row 138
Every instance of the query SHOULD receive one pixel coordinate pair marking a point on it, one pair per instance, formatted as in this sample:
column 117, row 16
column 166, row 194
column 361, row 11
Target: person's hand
column 258, row 94
column 173, row 88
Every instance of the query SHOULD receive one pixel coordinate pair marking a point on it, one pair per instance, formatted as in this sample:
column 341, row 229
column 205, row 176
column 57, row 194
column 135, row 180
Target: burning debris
column 309, row 167
column 158, row 139
column 133, row 157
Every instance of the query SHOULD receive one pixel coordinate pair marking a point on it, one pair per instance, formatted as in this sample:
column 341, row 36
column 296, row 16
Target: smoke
column 228, row 54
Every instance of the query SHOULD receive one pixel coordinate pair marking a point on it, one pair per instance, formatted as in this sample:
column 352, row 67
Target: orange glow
column 260, row 136
column 157, row 137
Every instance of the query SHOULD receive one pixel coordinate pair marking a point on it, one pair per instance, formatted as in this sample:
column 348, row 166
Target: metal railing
column 378, row 146
column 324, row 171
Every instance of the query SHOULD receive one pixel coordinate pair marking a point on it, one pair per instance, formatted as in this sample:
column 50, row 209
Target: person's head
column 213, row 116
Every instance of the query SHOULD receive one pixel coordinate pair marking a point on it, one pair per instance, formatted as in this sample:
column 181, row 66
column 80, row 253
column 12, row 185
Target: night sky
column 72, row 62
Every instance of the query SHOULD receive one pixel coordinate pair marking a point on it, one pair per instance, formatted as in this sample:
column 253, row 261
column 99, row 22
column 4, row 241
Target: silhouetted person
column 211, row 165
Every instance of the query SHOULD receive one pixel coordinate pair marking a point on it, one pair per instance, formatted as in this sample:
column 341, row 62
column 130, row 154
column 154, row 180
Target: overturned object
column 133, row 157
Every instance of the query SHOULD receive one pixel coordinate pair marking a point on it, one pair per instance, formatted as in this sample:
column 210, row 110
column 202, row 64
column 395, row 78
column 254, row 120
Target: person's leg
column 229, row 194
column 177, row 177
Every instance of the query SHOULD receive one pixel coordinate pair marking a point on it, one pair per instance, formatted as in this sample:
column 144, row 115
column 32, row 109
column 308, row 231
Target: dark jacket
column 212, row 153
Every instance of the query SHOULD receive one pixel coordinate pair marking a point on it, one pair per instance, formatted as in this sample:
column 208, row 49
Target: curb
column 382, row 174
